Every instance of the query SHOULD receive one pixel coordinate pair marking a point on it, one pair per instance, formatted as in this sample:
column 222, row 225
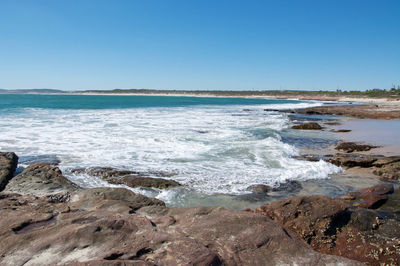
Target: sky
column 199, row 45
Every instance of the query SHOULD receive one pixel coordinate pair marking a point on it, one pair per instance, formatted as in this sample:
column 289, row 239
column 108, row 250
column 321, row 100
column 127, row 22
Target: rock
column 372, row 197
column 259, row 189
column 288, row 186
column 313, row 218
column 359, row 111
column 340, row 130
column 330, row 227
column 8, row 164
column 308, row 126
column 353, row 160
column 390, row 171
column 386, row 160
column 130, row 178
column 103, row 231
column 352, row 146
column 133, row 181
column 40, row 179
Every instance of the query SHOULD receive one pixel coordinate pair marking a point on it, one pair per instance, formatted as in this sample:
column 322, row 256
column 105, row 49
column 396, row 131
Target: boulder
column 259, row 189
column 389, row 172
column 8, row 164
column 308, row 126
column 133, row 181
column 130, row 178
column 37, row 232
column 41, row 179
column 372, row 197
column 352, row 146
column 337, row 227
column 353, row 160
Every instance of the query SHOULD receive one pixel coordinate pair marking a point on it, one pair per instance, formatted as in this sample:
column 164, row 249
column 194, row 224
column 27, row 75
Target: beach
column 163, row 161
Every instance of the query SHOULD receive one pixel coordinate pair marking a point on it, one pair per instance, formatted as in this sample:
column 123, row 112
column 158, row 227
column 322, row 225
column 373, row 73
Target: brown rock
column 372, row 197
column 313, row 218
column 390, row 171
column 308, row 126
column 329, row 227
column 352, row 146
column 353, row 160
column 105, row 232
column 40, row 179
column 8, row 164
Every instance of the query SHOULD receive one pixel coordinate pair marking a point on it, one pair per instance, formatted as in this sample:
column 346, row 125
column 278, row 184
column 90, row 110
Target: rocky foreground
column 46, row 219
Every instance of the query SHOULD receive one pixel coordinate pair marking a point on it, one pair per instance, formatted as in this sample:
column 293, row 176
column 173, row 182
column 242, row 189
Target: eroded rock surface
column 40, row 179
column 108, row 226
column 8, row 164
column 337, row 227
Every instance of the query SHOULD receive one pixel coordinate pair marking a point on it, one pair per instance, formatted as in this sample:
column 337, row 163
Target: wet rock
column 353, row 160
column 372, row 197
column 386, row 160
column 390, row 171
column 352, row 146
column 130, row 178
column 308, row 126
column 8, row 164
column 40, row 179
column 340, row 130
column 259, row 189
column 288, row 186
column 97, row 228
column 133, row 181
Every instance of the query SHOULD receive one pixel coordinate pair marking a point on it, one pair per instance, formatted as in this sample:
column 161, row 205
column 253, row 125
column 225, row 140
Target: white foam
column 212, row 149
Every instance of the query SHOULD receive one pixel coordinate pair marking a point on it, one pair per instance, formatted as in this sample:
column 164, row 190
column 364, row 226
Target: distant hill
column 31, row 91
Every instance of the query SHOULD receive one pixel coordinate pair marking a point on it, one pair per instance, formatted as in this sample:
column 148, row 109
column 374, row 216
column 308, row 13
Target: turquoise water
column 117, row 101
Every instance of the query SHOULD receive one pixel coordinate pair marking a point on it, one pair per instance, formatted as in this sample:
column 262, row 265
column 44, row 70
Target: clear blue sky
column 188, row 44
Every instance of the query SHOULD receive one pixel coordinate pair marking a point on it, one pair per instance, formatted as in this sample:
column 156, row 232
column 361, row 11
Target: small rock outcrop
column 342, row 226
column 130, row 178
column 40, row 179
column 308, row 126
column 352, row 146
column 8, row 164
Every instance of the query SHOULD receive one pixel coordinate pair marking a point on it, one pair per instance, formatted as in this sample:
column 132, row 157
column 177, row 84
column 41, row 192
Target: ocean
column 215, row 147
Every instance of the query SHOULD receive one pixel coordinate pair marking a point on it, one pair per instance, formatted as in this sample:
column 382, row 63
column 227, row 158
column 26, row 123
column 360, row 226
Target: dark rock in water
column 291, row 186
column 103, row 172
column 40, row 179
column 331, row 227
column 130, row 178
column 308, row 126
column 313, row 157
column 8, row 164
column 353, row 160
column 372, row 197
column 340, row 130
column 134, row 181
column 386, row 160
column 114, row 226
column 352, row 146
column 259, row 189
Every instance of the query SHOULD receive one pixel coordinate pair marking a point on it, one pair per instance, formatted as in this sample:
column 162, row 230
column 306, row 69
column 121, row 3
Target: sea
column 215, row 147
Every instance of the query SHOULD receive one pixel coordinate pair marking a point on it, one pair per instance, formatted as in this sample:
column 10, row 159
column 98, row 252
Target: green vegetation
column 374, row 93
